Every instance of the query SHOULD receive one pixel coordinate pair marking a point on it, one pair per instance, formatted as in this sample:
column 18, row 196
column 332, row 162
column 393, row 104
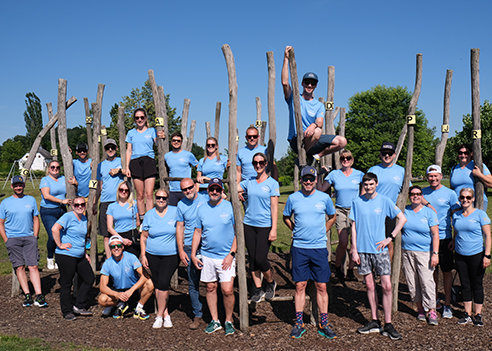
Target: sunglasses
column 415, row 194
column 463, row 153
column 387, row 153
column 76, row 205
column 110, row 147
column 117, row 246
column 215, row 189
column 210, row 145
column 163, row 198
column 54, row 167
column 466, row 197
column 259, row 163
column 176, row 140
column 81, row 151
column 345, row 158
column 137, row 118
column 121, row 190
column 308, row 179
column 251, row 136
column 310, row 82
column 187, row 188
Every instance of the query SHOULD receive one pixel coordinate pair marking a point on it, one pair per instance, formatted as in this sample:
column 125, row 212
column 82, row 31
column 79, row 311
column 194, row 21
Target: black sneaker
column 81, row 311
column 477, row 320
column 270, row 290
column 373, row 326
column 120, row 310
column 389, row 330
column 327, row 332
column 40, row 301
column 466, row 319
column 350, row 277
column 70, row 316
column 258, row 294
column 27, row 300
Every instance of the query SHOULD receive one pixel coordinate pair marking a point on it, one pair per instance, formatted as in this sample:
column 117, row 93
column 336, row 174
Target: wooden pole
column 184, row 121
column 272, row 125
column 402, row 197
column 329, row 115
column 104, row 137
column 54, row 150
column 262, row 130
column 445, row 119
column 208, row 129
column 91, row 217
column 191, row 135
column 88, row 125
column 236, row 205
column 476, row 132
column 217, row 119
column 122, row 135
column 261, row 136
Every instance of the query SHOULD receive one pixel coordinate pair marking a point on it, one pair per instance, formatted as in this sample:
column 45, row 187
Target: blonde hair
column 216, row 151
column 129, row 200
column 469, row 190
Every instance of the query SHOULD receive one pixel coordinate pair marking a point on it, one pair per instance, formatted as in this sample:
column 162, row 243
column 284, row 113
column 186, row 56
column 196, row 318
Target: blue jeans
column 193, row 284
column 49, row 216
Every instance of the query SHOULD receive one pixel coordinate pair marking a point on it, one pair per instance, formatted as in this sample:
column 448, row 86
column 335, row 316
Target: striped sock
column 299, row 318
column 324, row 319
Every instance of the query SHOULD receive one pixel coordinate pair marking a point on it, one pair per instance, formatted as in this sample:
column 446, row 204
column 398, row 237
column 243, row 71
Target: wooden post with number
column 88, row 125
column 445, row 119
column 54, row 150
column 272, row 125
column 329, row 113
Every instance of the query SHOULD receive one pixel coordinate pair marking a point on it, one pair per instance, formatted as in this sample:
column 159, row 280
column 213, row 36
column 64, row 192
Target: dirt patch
column 270, row 323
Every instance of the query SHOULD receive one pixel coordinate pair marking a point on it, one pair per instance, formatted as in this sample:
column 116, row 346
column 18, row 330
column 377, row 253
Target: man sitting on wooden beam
column 313, row 113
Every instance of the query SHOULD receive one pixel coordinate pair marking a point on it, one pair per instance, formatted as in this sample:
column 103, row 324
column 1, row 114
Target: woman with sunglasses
column 140, row 163
column 472, row 256
column 346, row 182
column 123, row 220
column 211, row 165
column 260, row 225
column 53, row 201
column 464, row 173
column 420, row 245
column 158, row 252
column 70, row 235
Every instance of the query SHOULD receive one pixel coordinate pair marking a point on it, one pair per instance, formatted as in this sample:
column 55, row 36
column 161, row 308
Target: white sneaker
column 56, row 266
column 447, row 312
column 167, row 322
column 50, row 263
column 157, row 323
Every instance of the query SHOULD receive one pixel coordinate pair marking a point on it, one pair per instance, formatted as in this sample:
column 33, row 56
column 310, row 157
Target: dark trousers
column 471, row 271
column 258, row 245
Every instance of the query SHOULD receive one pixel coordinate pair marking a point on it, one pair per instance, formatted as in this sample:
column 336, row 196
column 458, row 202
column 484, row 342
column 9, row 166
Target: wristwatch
column 435, row 252
column 487, row 256
column 232, row 253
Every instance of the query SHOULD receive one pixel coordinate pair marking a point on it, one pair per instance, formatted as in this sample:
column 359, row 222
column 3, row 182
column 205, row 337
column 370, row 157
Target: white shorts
column 212, row 270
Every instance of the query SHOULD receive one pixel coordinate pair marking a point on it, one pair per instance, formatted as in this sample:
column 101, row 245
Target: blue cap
column 215, row 181
column 18, row 179
column 308, row 170
column 310, row 75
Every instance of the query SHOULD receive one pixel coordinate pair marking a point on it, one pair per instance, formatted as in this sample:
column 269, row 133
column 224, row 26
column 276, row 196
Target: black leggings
column 162, row 269
column 471, row 271
column 258, row 246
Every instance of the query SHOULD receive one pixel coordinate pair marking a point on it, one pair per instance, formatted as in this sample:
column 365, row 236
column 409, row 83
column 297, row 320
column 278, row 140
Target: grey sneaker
column 270, row 290
column 258, row 295
column 371, row 327
column 447, row 312
column 466, row 319
column 421, row 317
column 81, row 311
column 229, row 328
column 389, row 330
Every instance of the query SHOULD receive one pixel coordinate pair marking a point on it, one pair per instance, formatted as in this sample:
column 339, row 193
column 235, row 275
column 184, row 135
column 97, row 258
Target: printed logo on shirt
column 355, row 181
column 320, row 206
column 441, row 200
column 127, row 269
column 265, row 189
column 172, row 222
column 224, row 216
column 378, row 210
column 147, row 136
column 28, row 206
column 424, row 220
column 182, row 160
column 396, row 178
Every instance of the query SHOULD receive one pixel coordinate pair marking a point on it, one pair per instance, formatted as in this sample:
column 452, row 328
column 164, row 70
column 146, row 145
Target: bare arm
column 399, row 225
column 127, row 161
column 330, row 222
column 35, row 226
column 486, row 231
column 288, row 222
column 105, row 289
column 197, row 237
column 180, row 242
column 143, row 246
column 56, row 237
column 274, row 214
column 435, row 245
column 353, row 249
column 47, row 196
column 285, row 74
column 486, row 179
column 2, row 230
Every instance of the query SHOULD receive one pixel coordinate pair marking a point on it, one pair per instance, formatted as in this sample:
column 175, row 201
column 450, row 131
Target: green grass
column 15, row 343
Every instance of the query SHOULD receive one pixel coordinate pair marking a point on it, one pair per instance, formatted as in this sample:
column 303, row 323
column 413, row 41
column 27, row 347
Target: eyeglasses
column 463, row 153
column 117, row 246
column 176, row 140
column 163, row 198
column 308, row 179
column 76, row 205
column 259, row 163
column 55, row 167
column 214, row 189
column 210, row 145
column 310, row 82
column 462, row 197
column 110, row 147
column 416, row 194
column 387, row 153
column 122, row 190
column 251, row 136
column 137, row 118
column 345, row 158
column 187, row 188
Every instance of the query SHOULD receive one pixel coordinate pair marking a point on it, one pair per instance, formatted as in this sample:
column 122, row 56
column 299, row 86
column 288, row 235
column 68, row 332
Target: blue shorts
column 310, row 264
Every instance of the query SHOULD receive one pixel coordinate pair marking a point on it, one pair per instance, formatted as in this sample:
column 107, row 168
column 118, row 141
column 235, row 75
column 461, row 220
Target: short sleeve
column 330, row 209
column 200, row 165
column 193, row 160
column 128, row 138
column 288, row 208
column 274, row 189
column 136, row 263
column 153, row 133
column 484, row 219
column 99, row 175
column 244, row 185
column 63, row 221
column 2, row 211
column 35, row 211
column 146, row 222
column 44, row 183
column 104, row 268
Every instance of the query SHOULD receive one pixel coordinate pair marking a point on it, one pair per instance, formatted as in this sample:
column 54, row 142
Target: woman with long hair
column 212, row 165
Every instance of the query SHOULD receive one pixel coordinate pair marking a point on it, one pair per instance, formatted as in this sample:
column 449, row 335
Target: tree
column 33, row 117
column 285, row 167
column 13, row 149
column 464, row 137
column 378, row 115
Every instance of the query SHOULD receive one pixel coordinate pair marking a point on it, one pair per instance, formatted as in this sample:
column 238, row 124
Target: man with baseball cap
column 129, row 284
column 313, row 114
column 444, row 201
column 214, row 228
column 82, row 170
column 309, row 253
column 19, row 228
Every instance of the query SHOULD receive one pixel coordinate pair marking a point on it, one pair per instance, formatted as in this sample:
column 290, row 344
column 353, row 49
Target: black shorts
column 133, row 300
column 174, row 198
column 324, row 141
column 389, row 226
column 162, row 269
column 103, row 218
column 446, row 257
column 134, row 236
column 143, row 168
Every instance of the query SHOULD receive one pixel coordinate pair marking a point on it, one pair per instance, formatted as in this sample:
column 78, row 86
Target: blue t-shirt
column 369, row 216
column 469, row 237
column 259, row 211
column 142, row 142
column 310, row 111
column 18, row 214
column 179, row 165
column 212, row 168
column 124, row 217
column 443, row 200
column 244, row 160
column 124, row 272
column 346, row 187
column 187, row 213
column 57, row 189
column 162, row 232
column 82, row 172
column 74, row 232
column 390, row 180
column 309, row 218
column 109, row 183
column 463, row 178
column 217, row 224
column 416, row 235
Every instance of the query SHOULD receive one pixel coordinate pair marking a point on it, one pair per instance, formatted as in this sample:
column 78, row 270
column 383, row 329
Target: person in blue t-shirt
column 369, row 249
column 244, row 158
column 444, row 201
column 109, row 175
column 420, row 254
column 185, row 226
column 472, row 244
column 159, row 252
column 214, row 228
column 346, row 182
column 463, row 174
column 129, row 284
column 19, row 229
column 313, row 114
column 179, row 163
column 140, row 163
column 52, row 206
column 82, row 170
column 309, row 253
column 260, row 226
column 213, row 165
column 70, row 235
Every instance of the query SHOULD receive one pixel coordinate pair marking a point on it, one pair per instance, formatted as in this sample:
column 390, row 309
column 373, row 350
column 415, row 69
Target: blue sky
column 116, row 42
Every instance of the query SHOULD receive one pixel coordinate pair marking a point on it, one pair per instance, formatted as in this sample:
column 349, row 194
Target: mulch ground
column 270, row 323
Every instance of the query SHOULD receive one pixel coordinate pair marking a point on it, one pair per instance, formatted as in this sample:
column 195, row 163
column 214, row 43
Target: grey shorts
column 342, row 221
column 379, row 263
column 23, row 251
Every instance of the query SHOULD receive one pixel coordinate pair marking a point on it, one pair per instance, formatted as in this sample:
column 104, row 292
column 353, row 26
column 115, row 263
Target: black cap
column 81, row 147
column 387, row 146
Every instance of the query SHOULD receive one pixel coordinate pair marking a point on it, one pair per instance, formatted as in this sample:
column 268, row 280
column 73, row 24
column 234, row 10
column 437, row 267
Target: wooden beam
column 122, row 135
column 329, row 113
column 218, row 105
column 88, row 125
column 104, row 137
column 191, row 136
column 477, row 129
column 92, row 224
column 445, row 119
column 208, row 130
column 184, row 121
column 272, row 126
column 54, row 150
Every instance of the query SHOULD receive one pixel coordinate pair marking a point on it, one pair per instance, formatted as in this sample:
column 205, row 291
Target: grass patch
column 15, row 343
